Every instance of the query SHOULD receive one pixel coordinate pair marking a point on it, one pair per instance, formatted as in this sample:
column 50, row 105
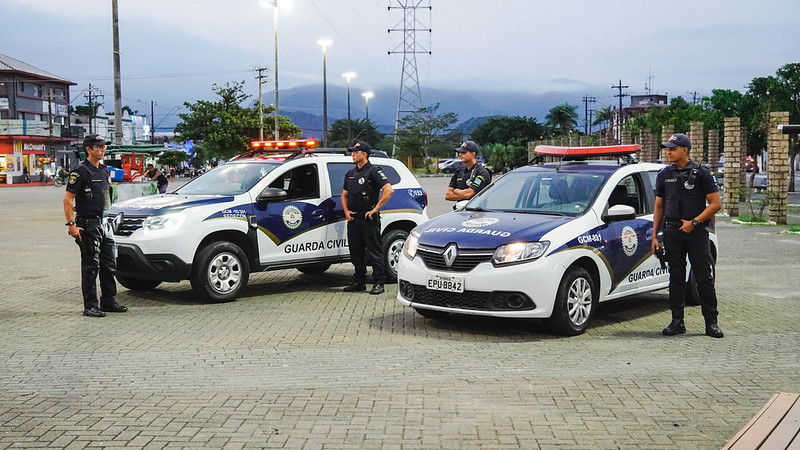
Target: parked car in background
column 750, row 165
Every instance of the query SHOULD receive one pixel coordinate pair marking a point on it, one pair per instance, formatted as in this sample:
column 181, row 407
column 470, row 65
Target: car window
column 336, row 172
column 629, row 191
column 541, row 193
column 227, row 179
column 299, row 183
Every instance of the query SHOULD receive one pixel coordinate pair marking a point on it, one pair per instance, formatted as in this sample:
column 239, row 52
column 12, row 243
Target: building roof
column 9, row 64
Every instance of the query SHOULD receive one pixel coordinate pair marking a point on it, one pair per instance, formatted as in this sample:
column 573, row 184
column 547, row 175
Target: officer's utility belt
column 90, row 220
column 362, row 214
column 677, row 224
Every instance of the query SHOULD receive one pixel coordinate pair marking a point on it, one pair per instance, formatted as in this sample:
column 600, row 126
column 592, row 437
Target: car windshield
column 547, row 192
column 227, row 179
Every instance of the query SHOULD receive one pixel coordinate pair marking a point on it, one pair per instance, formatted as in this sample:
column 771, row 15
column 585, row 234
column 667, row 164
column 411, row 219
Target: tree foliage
column 224, row 128
column 172, row 158
column 361, row 130
column 562, row 118
column 426, row 133
column 503, row 157
column 508, row 130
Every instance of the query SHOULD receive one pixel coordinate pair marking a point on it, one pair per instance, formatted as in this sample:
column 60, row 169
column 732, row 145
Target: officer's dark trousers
column 364, row 240
column 696, row 244
column 98, row 257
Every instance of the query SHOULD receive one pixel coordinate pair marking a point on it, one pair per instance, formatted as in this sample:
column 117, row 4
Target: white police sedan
column 544, row 241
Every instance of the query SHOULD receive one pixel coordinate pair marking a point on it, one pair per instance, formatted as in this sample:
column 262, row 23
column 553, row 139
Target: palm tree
column 562, row 117
column 603, row 115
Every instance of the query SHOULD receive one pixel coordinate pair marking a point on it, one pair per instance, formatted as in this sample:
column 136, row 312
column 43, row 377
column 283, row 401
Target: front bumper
column 525, row 290
column 132, row 262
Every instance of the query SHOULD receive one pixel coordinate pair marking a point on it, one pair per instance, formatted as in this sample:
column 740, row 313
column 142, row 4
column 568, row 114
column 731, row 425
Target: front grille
column 471, row 300
column 129, row 225
column 466, row 260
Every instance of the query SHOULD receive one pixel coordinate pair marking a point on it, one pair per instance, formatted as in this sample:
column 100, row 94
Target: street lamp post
column 325, row 43
column 348, row 76
column 274, row 5
column 367, row 95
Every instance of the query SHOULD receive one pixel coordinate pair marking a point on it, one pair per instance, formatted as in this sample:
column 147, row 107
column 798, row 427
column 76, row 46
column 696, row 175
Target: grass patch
column 753, row 219
column 794, row 228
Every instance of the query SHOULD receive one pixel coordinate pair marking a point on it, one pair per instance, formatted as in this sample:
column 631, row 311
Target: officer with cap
column 366, row 190
column 86, row 205
column 687, row 197
column 470, row 177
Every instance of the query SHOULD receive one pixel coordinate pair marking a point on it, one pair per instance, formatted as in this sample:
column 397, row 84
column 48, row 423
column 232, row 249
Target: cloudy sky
column 173, row 50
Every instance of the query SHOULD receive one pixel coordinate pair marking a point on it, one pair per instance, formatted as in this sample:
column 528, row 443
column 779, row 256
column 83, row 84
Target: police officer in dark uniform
column 366, row 190
column 86, row 205
column 468, row 178
column 687, row 197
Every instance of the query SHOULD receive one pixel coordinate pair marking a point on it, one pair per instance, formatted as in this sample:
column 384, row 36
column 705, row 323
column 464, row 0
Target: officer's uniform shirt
column 684, row 195
column 475, row 178
column 363, row 187
column 92, row 188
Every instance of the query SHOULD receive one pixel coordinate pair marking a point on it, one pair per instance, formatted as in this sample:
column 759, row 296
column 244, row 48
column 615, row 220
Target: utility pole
column 152, row 123
column 275, row 22
column 51, row 150
column 117, row 79
column 260, row 77
column 91, row 96
column 621, row 118
column 694, row 97
column 586, row 100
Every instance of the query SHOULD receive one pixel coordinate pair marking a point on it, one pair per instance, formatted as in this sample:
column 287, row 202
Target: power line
column 620, row 112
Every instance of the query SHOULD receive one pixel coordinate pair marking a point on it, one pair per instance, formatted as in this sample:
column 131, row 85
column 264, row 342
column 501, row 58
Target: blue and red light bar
column 285, row 145
column 606, row 150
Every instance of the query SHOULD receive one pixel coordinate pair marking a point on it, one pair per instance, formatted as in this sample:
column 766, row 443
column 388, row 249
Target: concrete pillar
column 734, row 165
column 626, row 137
column 583, row 141
column 698, row 142
column 666, row 132
column 713, row 150
column 778, row 173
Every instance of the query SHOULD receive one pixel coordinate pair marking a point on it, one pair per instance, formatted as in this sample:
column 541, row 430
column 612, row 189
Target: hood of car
column 163, row 203
column 487, row 230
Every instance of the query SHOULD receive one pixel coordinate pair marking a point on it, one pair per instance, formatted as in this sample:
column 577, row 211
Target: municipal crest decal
column 477, row 222
column 292, row 217
column 629, row 241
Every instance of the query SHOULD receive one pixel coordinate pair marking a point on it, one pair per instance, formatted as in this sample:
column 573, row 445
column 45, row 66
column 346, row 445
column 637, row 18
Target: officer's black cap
column 678, row 140
column 94, row 139
column 360, row 146
column 468, row 146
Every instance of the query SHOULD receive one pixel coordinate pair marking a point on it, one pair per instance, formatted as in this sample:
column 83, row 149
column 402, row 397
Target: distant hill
column 303, row 105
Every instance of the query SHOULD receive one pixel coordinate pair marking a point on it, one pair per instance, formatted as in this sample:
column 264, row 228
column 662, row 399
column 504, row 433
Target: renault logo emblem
column 450, row 254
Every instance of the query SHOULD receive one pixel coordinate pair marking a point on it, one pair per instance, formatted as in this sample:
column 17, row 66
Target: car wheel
column 137, row 284
column 317, row 269
column 220, row 272
column 575, row 303
column 430, row 313
column 392, row 244
column 692, row 294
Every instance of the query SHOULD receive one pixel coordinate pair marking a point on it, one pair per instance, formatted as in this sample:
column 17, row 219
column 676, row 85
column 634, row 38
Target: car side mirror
column 460, row 205
column 271, row 195
column 619, row 212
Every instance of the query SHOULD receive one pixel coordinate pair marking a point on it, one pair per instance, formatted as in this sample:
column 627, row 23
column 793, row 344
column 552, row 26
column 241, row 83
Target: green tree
column 504, row 157
column 224, row 128
column 172, row 158
column 361, row 130
column 507, row 130
column 603, row 116
column 426, row 133
column 562, row 118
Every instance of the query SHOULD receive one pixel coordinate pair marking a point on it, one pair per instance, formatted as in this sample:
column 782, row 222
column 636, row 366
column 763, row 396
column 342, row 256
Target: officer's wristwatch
column 70, row 223
column 695, row 222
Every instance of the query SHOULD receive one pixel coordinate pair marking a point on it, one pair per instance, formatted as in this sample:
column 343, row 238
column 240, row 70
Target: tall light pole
column 325, row 43
column 349, row 76
column 274, row 5
column 367, row 95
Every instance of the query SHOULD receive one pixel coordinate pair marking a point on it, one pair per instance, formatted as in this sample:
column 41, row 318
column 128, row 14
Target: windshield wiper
column 475, row 208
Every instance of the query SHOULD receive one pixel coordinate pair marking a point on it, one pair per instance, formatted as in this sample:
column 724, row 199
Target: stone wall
column 734, row 165
column 778, row 173
column 698, row 142
column 713, row 150
column 666, row 132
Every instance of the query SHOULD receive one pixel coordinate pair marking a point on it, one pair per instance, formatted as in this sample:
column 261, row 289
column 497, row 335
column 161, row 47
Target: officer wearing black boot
column 687, row 197
column 366, row 190
column 86, row 205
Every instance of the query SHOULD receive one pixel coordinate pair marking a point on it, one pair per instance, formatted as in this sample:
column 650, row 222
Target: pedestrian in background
column 86, row 205
column 468, row 178
column 155, row 175
column 366, row 190
column 687, row 198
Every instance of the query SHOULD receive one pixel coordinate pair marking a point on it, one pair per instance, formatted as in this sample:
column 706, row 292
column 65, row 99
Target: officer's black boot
column 355, row 287
column 111, row 305
column 674, row 327
column 92, row 311
column 714, row 330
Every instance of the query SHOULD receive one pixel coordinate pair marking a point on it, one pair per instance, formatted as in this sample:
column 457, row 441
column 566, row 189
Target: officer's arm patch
column 73, row 177
column 382, row 175
column 477, row 181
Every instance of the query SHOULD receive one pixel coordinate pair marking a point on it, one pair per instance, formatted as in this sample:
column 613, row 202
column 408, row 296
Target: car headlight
column 410, row 247
column 163, row 222
column 518, row 252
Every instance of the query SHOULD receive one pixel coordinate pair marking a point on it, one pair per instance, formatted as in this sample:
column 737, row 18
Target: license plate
column 446, row 283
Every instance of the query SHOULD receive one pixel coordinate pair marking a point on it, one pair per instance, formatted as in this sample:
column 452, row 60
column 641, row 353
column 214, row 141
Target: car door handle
column 317, row 214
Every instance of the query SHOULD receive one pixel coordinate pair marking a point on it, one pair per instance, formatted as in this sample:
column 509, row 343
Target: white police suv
column 258, row 212
column 544, row 241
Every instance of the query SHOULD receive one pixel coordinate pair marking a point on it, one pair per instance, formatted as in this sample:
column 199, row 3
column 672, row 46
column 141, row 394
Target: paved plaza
column 297, row 363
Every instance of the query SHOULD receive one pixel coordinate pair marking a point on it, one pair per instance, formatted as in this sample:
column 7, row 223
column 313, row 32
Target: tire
column 137, row 284
column 392, row 244
column 576, row 301
column 430, row 313
column 692, row 294
column 220, row 272
column 318, row 269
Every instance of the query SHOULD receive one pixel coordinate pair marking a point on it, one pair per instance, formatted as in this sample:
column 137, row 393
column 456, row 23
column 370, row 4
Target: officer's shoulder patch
column 73, row 177
column 382, row 175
